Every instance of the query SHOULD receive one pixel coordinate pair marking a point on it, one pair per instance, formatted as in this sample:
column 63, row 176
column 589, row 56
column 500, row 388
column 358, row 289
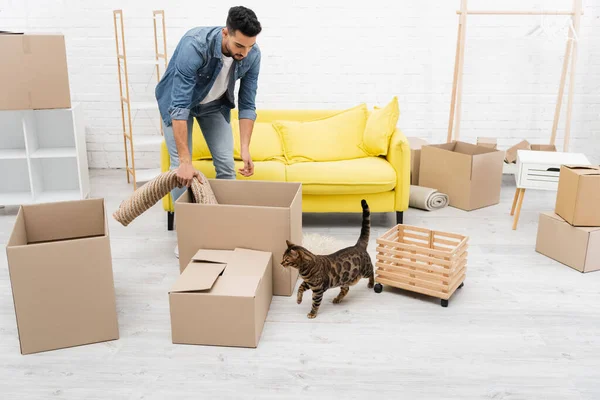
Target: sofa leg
column 399, row 217
column 170, row 220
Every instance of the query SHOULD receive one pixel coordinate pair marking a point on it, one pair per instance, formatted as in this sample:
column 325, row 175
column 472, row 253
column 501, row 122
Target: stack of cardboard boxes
column 571, row 234
column 230, row 260
column 33, row 72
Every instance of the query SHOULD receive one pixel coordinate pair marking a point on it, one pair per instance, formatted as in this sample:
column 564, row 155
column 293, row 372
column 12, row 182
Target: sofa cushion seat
column 263, row 170
column 357, row 176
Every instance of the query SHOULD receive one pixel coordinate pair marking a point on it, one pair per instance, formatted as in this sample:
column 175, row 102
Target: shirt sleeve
column 248, row 88
column 189, row 60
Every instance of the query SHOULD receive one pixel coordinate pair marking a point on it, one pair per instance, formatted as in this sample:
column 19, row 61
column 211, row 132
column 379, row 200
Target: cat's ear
column 289, row 244
column 294, row 253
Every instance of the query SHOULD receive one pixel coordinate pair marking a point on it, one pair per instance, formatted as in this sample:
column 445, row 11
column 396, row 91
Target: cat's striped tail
column 363, row 240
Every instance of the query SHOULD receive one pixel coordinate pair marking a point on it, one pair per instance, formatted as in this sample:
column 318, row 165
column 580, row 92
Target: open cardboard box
column 415, row 145
column 470, row 175
column 60, row 265
column 222, row 298
column 576, row 247
column 511, row 153
column 257, row 215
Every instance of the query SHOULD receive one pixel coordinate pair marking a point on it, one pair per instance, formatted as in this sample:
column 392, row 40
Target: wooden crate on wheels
column 420, row 260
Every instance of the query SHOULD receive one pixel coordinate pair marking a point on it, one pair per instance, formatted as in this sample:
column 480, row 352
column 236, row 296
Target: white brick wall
column 335, row 54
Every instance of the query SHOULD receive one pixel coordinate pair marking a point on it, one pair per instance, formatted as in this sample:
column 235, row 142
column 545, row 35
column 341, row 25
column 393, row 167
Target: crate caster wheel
column 444, row 303
column 378, row 288
column 461, row 285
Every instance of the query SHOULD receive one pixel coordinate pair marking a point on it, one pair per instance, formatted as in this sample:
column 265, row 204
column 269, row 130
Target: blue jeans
column 219, row 138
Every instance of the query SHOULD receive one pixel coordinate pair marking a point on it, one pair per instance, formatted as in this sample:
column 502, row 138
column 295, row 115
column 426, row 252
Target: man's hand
column 248, row 169
column 246, row 126
column 186, row 173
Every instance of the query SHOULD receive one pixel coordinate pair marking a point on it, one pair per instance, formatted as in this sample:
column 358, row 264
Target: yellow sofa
column 327, row 187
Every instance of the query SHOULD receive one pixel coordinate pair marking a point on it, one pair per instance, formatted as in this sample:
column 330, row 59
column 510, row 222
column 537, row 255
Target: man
column 199, row 83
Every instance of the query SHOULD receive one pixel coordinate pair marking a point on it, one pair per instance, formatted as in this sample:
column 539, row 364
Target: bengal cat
column 344, row 268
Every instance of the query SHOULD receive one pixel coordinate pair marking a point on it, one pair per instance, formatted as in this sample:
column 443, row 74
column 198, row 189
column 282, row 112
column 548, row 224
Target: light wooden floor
column 523, row 326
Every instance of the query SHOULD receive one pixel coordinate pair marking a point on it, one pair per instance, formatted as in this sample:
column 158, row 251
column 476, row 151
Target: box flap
column 45, row 222
column 236, row 286
column 245, row 262
column 445, row 146
column 584, row 169
column 268, row 194
column 543, row 147
column 511, row 153
column 198, row 277
column 213, row 256
column 490, row 142
column 18, row 236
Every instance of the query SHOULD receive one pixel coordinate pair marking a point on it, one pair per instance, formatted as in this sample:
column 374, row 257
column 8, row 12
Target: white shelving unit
column 43, row 156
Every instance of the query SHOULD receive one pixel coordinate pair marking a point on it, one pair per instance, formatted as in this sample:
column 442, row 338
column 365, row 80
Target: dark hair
column 244, row 20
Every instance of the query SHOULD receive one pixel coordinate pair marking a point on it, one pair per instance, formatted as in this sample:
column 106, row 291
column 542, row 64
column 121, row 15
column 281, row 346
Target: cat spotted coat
column 344, row 268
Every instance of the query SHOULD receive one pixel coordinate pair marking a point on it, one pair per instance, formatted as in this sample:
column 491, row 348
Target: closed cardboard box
column 576, row 247
column 222, row 298
column 60, row 266
column 578, row 196
column 33, row 72
column 470, row 175
column 257, row 215
column 415, row 158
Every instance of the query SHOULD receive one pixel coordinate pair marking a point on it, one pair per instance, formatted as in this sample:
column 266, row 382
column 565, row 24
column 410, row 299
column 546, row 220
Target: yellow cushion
column 263, row 170
column 265, row 143
column 380, row 127
column 328, row 139
column 361, row 175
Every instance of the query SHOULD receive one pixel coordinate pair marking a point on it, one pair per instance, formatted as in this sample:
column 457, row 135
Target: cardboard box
column 578, row 196
column 60, row 265
column 490, row 142
column 415, row 158
column 33, row 72
column 470, row 175
column 511, row 153
column 222, row 298
column 576, row 247
column 543, row 147
column 257, row 215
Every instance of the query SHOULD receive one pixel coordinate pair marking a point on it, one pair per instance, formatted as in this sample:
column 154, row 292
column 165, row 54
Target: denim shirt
column 193, row 69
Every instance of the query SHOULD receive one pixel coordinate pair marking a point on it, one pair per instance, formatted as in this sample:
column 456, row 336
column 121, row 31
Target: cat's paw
column 299, row 300
column 370, row 285
column 337, row 301
column 311, row 315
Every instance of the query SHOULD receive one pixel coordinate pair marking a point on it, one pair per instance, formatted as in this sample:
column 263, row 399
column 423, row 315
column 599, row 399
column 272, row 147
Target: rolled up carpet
column 426, row 198
column 152, row 192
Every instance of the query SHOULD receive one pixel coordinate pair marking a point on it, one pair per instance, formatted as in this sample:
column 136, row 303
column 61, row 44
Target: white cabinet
column 541, row 169
column 43, row 156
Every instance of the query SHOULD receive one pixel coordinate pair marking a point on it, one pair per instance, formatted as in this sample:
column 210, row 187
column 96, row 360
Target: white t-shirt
column 221, row 83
